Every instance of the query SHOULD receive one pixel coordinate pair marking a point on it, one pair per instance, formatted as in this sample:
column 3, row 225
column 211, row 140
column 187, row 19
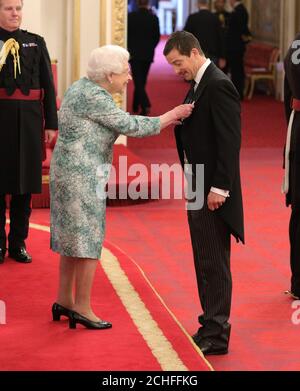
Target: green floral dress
column 89, row 124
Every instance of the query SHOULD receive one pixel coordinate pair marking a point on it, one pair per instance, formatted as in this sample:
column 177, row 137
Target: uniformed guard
column 291, row 184
column 28, row 118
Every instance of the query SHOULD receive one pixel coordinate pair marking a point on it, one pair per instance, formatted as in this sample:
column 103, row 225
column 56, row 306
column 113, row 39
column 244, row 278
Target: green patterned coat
column 89, row 124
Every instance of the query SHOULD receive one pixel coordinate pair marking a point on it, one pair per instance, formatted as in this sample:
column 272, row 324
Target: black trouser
column 140, row 70
column 295, row 251
column 211, row 248
column 19, row 213
column 237, row 70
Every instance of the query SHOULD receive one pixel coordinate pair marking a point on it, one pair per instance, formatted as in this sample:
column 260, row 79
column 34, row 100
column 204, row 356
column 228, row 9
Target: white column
column 105, row 25
column 32, row 16
column 67, row 69
column 89, row 30
column 182, row 13
column 55, row 15
column 48, row 19
column 288, row 24
column 113, row 31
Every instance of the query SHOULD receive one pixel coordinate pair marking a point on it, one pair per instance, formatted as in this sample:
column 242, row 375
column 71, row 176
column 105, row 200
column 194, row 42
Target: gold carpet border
column 160, row 346
column 39, row 227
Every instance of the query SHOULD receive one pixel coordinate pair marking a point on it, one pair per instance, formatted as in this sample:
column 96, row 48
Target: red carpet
column 31, row 341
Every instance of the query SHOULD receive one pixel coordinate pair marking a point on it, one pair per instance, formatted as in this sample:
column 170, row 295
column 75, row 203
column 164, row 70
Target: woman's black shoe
column 58, row 310
column 89, row 324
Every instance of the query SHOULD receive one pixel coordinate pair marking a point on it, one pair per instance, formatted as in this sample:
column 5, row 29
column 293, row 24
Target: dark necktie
column 190, row 96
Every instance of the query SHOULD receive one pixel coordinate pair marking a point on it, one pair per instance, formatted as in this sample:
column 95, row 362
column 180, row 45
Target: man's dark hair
column 184, row 42
column 142, row 3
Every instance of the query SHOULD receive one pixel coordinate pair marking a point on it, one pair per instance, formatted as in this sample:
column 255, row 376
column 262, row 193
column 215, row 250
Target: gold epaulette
column 13, row 47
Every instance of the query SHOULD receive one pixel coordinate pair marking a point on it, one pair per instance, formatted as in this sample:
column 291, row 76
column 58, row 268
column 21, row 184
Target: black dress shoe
column 58, row 311
column 209, row 348
column 89, row 324
column 199, row 335
column 2, row 254
column 19, row 254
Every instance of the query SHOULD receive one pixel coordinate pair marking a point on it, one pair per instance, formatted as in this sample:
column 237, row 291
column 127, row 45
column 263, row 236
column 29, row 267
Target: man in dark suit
column 223, row 17
column 27, row 106
column 221, row 12
column 238, row 35
column 205, row 26
column 210, row 137
column 143, row 37
column 291, row 185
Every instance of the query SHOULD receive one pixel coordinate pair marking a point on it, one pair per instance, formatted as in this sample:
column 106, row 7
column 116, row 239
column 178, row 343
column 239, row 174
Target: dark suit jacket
column 143, row 35
column 292, row 90
column 237, row 29
column 212, row 136
column 207, row 29
column 223, row 18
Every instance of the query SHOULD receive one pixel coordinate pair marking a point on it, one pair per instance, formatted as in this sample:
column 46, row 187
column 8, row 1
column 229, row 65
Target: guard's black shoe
column 2, row 254
column 20, row 255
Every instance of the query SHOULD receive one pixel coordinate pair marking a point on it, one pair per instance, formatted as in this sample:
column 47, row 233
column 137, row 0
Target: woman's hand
column 175, row 116
column 183, row 111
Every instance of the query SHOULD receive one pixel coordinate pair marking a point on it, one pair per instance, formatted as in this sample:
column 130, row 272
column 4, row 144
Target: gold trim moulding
column 45, row 179
column 118, row 22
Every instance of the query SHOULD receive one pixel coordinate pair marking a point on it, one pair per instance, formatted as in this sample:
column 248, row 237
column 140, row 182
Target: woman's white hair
column 106, row 60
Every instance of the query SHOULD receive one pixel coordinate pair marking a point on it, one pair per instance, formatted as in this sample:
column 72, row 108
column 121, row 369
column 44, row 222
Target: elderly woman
column 89, row 123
